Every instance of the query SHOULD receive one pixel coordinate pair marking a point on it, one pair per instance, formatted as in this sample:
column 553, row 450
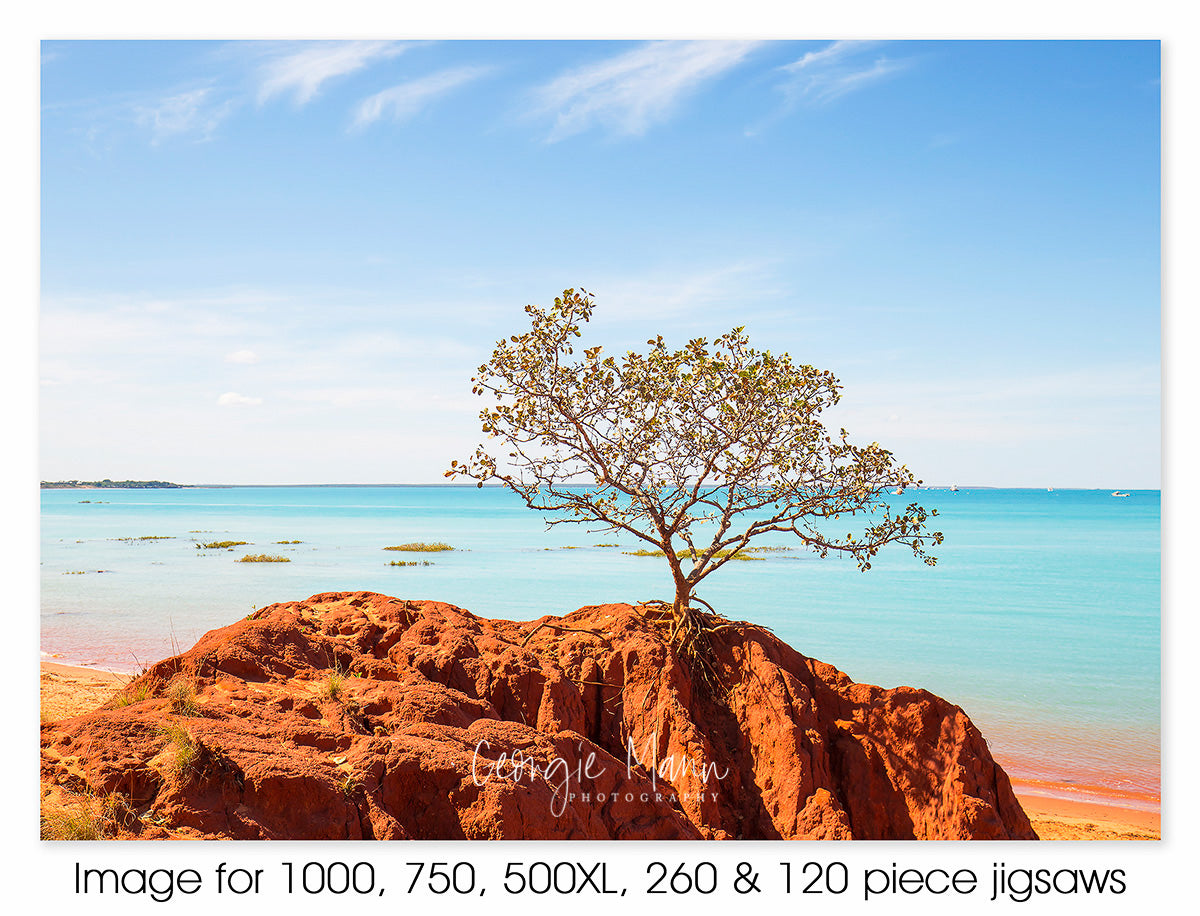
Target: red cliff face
column 357, row 716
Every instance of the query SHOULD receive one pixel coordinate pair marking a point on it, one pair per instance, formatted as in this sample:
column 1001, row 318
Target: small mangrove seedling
column 263, row 558
column 421, row 547
column 410, row 563
column 220, row 545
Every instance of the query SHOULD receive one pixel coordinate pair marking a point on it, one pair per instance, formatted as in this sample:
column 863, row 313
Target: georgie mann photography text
column 559, row 773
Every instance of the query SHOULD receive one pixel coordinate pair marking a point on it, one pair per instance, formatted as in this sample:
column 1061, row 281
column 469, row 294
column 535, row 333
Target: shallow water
column 1041, row 618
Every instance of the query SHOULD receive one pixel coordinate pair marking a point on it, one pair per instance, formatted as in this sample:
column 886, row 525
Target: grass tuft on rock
column 134, row 693
column 181, row 693
column 83, row 817
column 186, row 749
column 334, row 687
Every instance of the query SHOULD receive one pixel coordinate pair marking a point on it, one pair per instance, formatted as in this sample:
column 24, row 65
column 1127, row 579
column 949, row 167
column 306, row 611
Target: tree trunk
column 680, row 609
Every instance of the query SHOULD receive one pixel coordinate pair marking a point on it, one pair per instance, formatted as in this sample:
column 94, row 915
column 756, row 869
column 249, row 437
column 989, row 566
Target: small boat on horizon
column 1119, row 493
column 953, row 488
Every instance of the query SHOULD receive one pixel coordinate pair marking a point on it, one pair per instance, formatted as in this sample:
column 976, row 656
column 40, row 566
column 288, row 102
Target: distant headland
column 107, row 484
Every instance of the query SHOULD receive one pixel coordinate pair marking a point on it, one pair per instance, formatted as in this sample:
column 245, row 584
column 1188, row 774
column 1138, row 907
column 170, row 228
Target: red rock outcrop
column 357, row 716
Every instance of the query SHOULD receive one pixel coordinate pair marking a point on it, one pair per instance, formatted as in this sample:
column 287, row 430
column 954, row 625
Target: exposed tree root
column 691, row 636
column 555, row 626
column 689, row 633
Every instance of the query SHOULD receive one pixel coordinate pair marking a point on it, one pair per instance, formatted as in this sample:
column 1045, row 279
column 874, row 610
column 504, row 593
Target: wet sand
column 1065, row 819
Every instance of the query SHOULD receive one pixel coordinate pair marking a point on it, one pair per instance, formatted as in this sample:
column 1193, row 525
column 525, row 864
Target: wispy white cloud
column 823, row 76
column 350, row 396
column 242, row 357
column 196, row 112
column 247, row 71
column 405, row 100
column 55, row 372
column 122, row 335
column 1089, row 426
column 152, row 365
column 636, row 89
column 233, row 399
column 301, row 73
column 419, row 398
column 837, row 70
column 1013, row 409
column 695, row 292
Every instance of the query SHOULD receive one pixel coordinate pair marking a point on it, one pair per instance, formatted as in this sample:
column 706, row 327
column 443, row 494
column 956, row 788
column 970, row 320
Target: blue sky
column 280, row 262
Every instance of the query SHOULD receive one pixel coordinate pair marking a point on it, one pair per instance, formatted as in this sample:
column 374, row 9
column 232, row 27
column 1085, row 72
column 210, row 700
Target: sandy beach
column 68, row 691
column 1064, row 819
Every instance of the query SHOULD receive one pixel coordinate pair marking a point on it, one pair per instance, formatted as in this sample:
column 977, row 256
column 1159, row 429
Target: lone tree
column 696, row 452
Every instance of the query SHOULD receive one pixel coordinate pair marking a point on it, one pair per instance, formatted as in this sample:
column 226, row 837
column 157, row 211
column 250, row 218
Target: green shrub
column 220, row 545
column 716, row 556
column 418, row 546
column 263, row 558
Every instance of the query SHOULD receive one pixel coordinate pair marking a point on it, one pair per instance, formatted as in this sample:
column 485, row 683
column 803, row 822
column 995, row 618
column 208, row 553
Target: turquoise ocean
column 1041, row 618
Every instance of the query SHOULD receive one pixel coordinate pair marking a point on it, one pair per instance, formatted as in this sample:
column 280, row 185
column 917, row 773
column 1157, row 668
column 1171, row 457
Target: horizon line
column 474, row 486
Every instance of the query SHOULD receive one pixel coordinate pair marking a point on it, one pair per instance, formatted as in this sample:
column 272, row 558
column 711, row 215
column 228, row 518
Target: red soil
column 611, row 736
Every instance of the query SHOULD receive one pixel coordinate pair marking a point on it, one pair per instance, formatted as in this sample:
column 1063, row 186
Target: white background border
column 40, row 874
